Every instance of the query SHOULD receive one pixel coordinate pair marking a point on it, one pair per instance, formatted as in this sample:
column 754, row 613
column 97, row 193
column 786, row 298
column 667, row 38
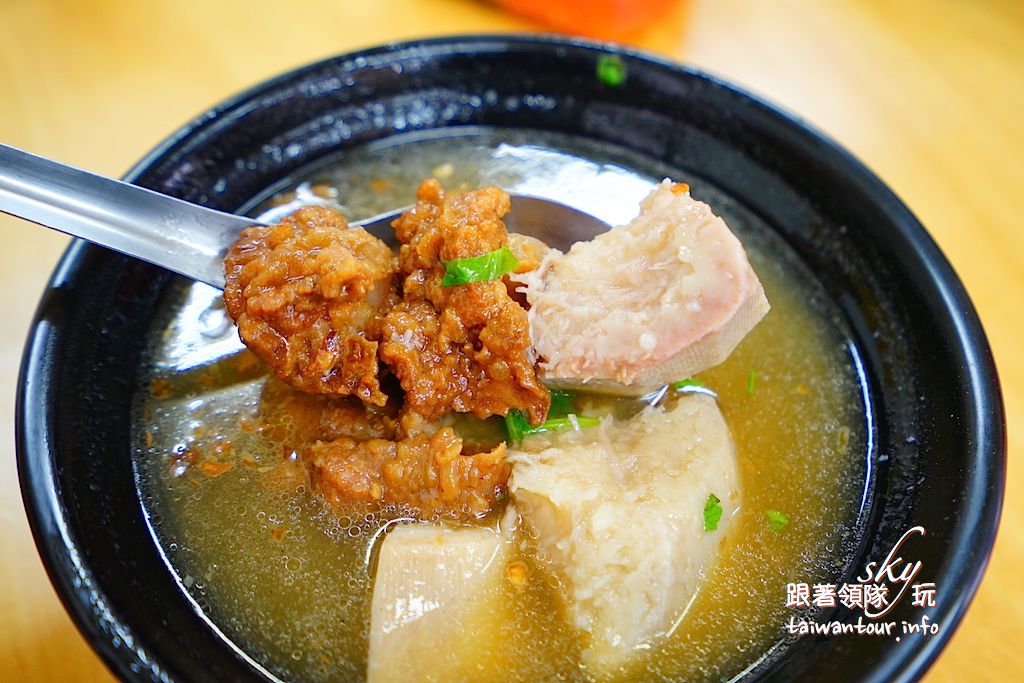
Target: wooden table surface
column 929, row 93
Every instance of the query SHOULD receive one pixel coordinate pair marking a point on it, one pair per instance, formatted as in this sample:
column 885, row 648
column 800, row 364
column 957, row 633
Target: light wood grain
column 927, row 93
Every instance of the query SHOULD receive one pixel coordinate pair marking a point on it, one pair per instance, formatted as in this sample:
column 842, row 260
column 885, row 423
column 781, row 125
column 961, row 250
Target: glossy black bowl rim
column 58, row 549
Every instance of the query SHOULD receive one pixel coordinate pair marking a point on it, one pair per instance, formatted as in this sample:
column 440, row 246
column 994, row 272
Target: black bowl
column 937, row 457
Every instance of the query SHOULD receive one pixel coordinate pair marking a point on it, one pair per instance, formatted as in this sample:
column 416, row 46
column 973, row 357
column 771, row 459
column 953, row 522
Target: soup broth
column 288, row 580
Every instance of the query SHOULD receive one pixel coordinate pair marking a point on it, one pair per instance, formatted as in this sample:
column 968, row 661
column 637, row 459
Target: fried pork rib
column 461, row 348
column 426, row 472
column 309, row 296
column 321, row 303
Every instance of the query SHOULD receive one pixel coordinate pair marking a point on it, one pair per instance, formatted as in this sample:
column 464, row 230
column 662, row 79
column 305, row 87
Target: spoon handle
column 190, row 239
column 175, row 234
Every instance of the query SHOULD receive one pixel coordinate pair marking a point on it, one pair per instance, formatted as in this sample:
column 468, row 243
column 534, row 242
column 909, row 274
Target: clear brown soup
column 287, row 580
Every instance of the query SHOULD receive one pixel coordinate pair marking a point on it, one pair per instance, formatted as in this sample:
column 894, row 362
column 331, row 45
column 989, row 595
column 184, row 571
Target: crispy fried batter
column 367, row 450
column 309, row 296
column 313, row 299
column 461, row 348
column 426, row 472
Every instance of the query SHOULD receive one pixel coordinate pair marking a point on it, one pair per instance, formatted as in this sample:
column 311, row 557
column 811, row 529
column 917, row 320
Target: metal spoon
column 190, row 239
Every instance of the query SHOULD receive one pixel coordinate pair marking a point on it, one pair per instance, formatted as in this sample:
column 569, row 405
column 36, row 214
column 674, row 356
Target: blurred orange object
column 596, row 18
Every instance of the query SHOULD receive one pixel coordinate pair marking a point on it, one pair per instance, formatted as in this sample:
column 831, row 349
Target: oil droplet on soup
column 289, row 580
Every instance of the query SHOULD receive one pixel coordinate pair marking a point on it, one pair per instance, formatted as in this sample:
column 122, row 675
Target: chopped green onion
column 750, row 382
column 712, row 512
column 516, row 425
column 519, row 427
column 568, row 422
column 562, row 403
column 776, row 519
column 489, row 266
column 684, row 383
column 611, row 70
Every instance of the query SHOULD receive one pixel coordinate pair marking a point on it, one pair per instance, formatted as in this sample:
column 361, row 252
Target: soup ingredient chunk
column 462, row 348
column 296, row 419
column 437, row 603
column 309, row 296
column 666, row 296
column 619, row 510
column 427, row 472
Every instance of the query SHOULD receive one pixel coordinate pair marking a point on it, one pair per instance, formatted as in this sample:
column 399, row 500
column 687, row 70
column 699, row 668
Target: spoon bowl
column 190, row 239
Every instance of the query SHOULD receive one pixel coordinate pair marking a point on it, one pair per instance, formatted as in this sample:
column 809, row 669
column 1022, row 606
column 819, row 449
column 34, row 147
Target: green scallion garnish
column 750, row 382
column 562, row 403
column 519, row 427
column 712, row 512
column 489, row 266
column 611, row 70
column 684, row 383
column 776, row 519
